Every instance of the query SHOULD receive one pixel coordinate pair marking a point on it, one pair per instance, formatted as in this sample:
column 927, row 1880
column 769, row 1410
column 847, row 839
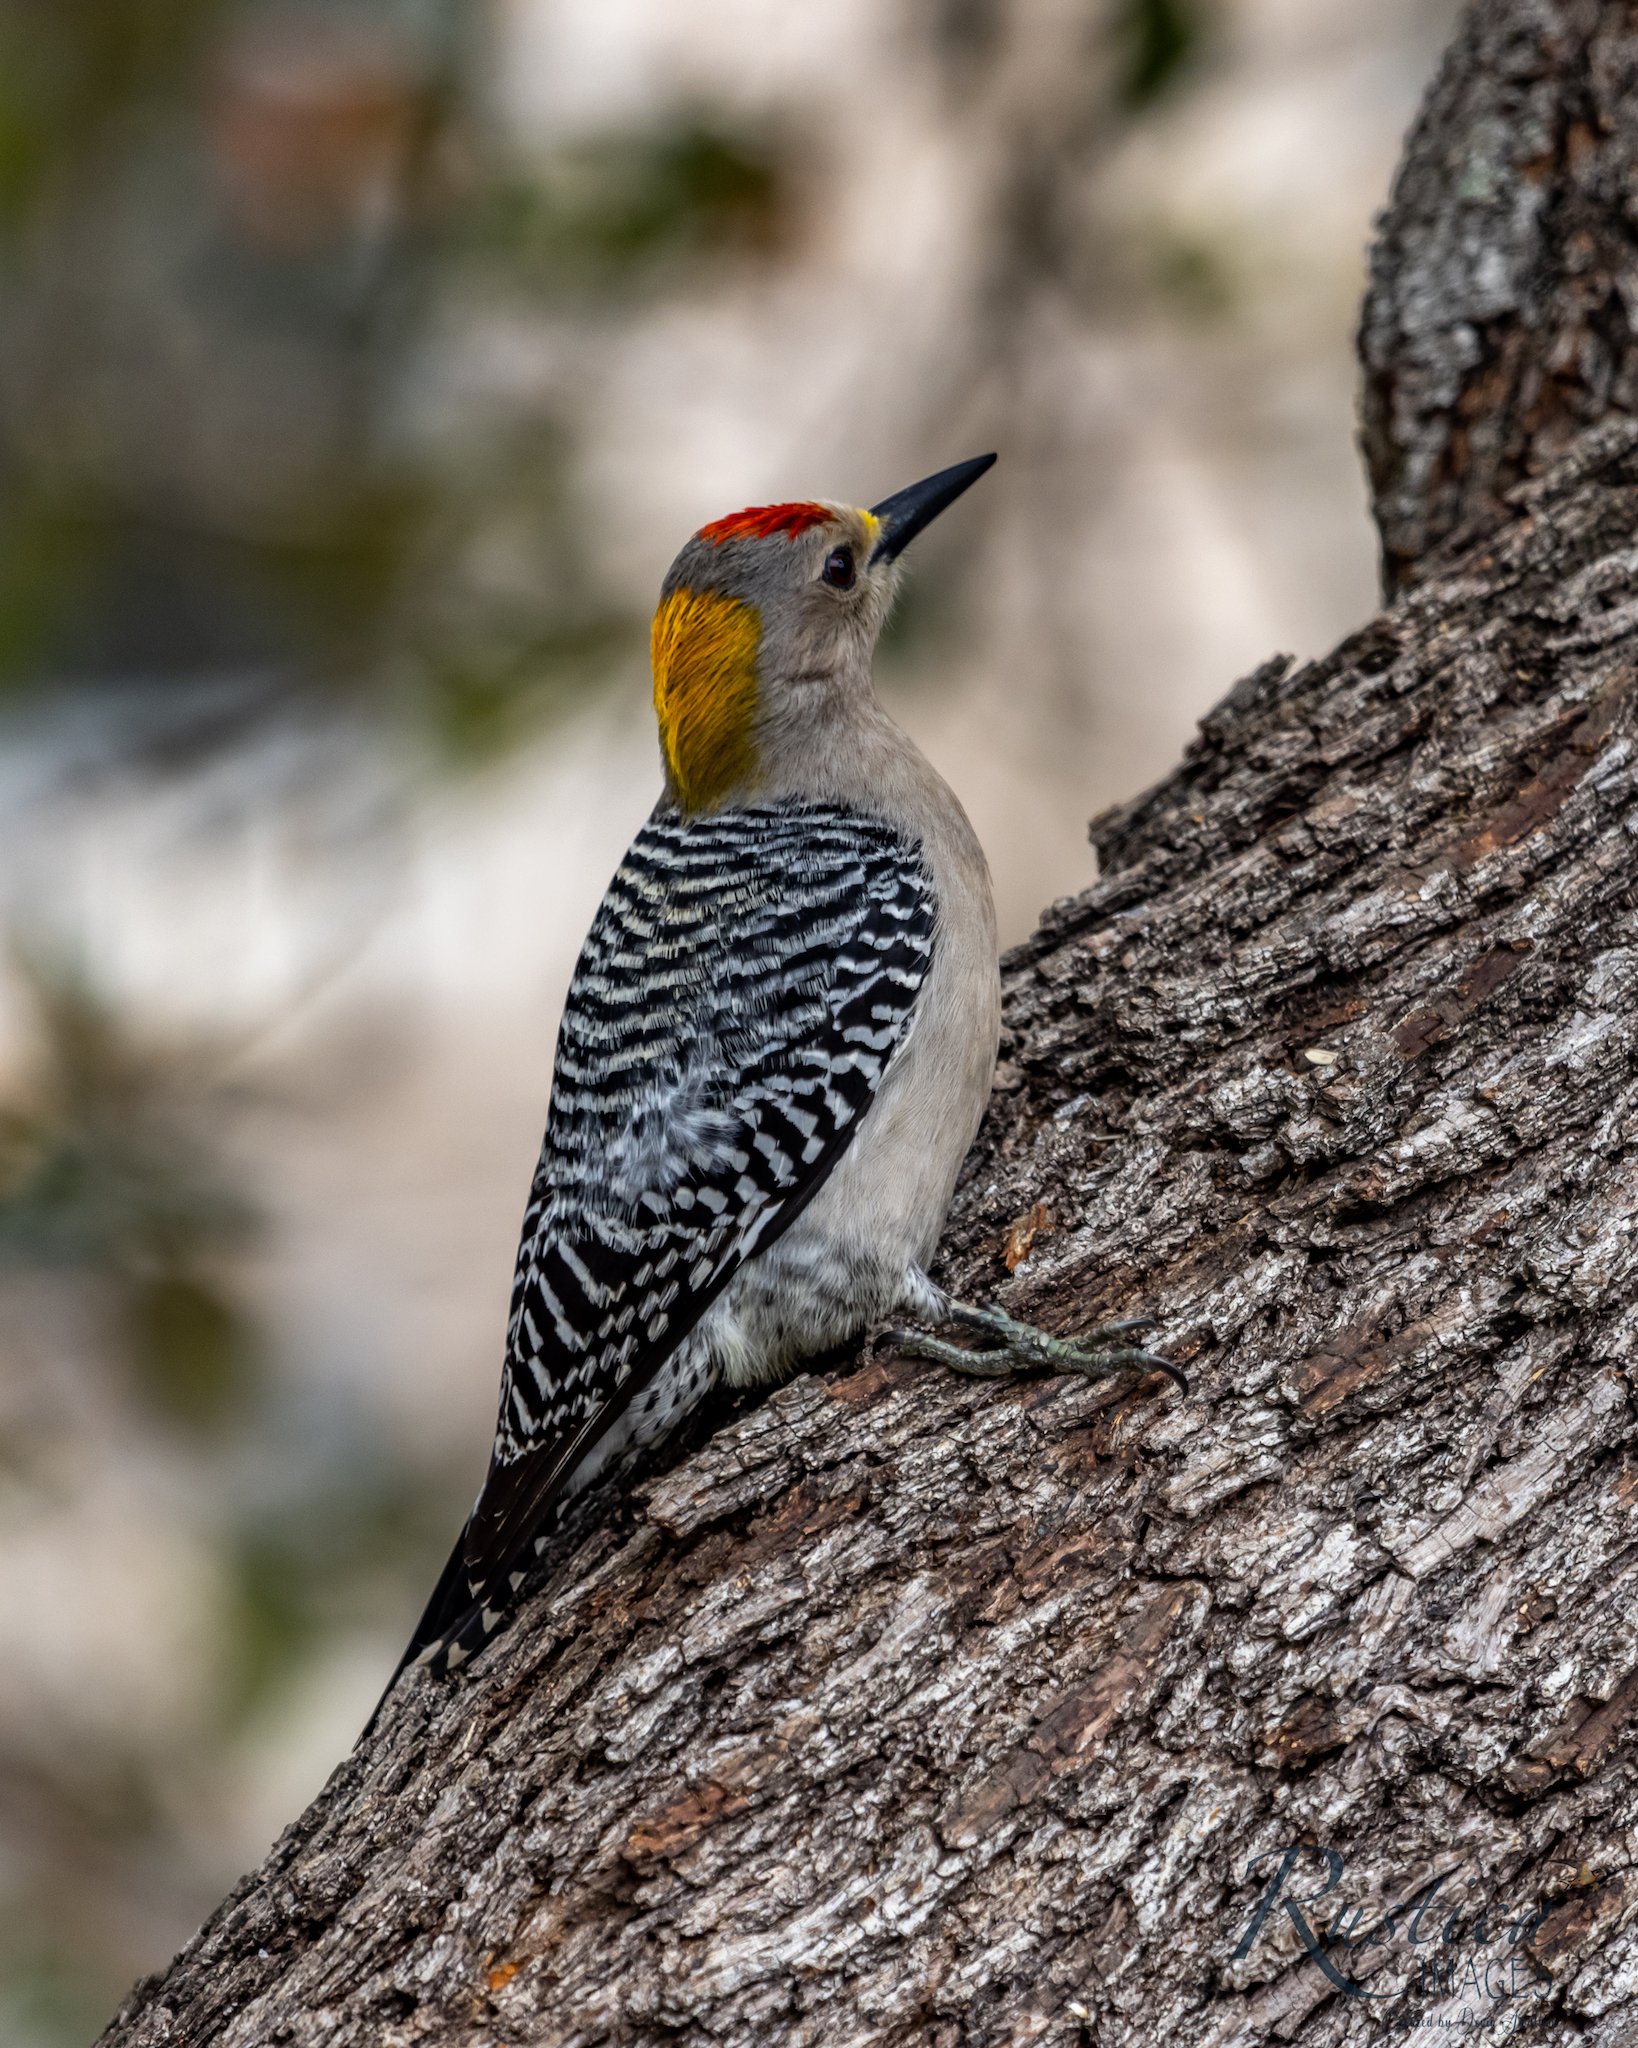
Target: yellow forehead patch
column 704, row 652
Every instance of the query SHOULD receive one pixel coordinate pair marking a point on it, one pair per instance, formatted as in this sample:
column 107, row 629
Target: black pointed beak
column 904, row 514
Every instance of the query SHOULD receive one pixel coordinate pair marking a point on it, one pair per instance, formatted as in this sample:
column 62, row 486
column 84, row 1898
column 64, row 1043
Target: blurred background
column 362, row 366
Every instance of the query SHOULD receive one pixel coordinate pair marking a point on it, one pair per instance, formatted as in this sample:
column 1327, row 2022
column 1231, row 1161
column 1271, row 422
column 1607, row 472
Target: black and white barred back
column 744, row 986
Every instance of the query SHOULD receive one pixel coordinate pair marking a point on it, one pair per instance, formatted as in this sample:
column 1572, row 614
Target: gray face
column 820, row 600
column 764, row 635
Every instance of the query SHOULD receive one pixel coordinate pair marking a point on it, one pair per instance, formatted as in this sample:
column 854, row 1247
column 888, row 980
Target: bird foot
column 1017, row 1346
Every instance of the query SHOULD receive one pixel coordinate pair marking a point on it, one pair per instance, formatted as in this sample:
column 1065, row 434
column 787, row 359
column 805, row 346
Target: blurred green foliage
column 229, row 233
column 50, row 1989
column 482, row 654
column 70, row 74
column 1156, row 41
column 612, row 213
column 190, row 1346
column 104, row 1170
column 305, row 1566
column 45, row 556
column 1195, row 276
column 110, row 1182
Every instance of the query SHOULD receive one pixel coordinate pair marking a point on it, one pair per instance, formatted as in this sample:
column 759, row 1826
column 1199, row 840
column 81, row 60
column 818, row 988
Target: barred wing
column 743, row 988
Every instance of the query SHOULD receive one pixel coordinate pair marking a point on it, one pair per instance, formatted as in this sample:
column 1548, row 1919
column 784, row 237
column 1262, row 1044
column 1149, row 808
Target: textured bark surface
column 1502, row 316
column 917, row 1709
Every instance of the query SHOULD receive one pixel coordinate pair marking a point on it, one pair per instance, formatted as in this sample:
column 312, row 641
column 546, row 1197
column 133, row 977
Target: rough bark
column 1502, row 316
column 913, row 1709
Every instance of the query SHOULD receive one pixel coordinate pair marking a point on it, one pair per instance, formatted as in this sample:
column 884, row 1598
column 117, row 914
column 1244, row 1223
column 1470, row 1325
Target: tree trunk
column 911, row 1708
column 1502, row 316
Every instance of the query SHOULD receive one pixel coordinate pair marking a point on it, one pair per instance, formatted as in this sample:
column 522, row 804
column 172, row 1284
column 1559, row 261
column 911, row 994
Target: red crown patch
column 757, row 522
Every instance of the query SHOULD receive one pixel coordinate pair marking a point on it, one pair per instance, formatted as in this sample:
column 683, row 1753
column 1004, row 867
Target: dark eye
column 839, row 570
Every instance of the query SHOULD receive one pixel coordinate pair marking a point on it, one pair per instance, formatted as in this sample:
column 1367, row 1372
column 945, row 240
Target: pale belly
column 856, row 1253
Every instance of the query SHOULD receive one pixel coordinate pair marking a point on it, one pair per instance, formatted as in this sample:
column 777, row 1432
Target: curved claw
column 1110, row 1358
column 1150, row 1360
column 1175, row 1373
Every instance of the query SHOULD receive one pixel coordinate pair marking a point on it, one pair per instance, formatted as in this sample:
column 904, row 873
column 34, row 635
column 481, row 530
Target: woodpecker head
column 767, row 623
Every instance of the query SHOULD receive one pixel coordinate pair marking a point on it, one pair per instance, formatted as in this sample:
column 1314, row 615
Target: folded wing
column 741, row 994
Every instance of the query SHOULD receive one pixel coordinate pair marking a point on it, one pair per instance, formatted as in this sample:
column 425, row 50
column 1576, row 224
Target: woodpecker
column 775, row 1050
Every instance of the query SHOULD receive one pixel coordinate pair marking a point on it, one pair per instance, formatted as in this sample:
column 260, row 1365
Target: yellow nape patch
column 704, row 650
